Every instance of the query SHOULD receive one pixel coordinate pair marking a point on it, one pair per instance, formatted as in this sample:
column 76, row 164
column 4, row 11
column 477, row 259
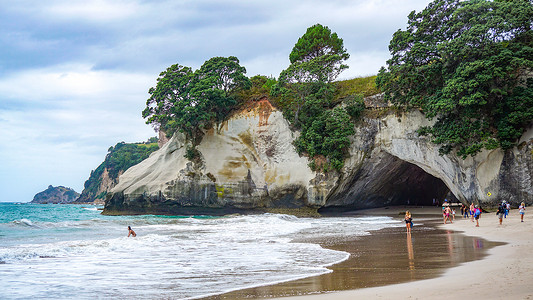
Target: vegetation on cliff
column 468, row 64
column 118, row 159
column 55, row 195
column 308, row 98
column 189, row 102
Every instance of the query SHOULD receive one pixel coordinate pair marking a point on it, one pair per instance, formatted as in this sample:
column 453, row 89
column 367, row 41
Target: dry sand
column 506, row 273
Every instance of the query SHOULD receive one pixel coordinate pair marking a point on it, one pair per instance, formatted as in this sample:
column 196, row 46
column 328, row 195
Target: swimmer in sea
column 131, row 232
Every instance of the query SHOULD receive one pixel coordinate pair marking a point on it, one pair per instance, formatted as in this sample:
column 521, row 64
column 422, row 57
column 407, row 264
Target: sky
column 75, row 74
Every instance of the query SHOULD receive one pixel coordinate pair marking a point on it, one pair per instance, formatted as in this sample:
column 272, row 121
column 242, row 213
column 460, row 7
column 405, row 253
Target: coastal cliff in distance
column 118, row 159
column 55, row 195
column 249, row 163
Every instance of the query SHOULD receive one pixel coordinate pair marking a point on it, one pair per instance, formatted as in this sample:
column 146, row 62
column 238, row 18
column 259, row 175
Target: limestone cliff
column 389, row 163
column 55, row 195
column 249, row 163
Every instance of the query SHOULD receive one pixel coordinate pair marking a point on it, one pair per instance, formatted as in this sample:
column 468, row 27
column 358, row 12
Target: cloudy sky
column 74, row 74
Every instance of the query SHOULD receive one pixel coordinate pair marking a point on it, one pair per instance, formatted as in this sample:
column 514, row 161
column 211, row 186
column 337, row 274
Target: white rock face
column 152, row 174
column 484, row 178
column 471, row 178
column 250, row 162
column 247, row 162
column 259, row 141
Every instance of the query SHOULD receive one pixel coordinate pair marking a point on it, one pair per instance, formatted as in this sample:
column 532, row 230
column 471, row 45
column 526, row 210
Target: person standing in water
column 131, row 232
column 447, row 213
column 408, row 221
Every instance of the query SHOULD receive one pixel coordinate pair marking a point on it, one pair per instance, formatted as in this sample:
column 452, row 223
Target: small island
column 56, row 195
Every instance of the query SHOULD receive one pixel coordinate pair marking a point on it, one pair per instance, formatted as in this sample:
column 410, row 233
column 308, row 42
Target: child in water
column 131, row 232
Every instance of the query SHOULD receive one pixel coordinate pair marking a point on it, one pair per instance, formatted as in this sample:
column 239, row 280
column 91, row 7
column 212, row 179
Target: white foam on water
column 181, row 258
column 91, row 208
column 23, row 222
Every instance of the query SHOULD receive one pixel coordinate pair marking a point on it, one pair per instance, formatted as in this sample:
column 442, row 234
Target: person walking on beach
column 472, row 211
column 477, row 213
column 447, row 213
column 131, row 232
column 501, row 211
column 507, row 209
column 522, row 211
column 408, row 221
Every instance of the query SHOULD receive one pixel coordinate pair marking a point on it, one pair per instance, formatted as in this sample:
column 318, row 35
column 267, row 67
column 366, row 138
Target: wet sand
column 505, row 273
column 388, row 256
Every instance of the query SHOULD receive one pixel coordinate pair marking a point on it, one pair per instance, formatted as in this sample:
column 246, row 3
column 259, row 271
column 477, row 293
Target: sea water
column 72, row 251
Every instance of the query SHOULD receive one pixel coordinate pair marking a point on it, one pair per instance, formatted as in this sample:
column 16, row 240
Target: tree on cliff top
column 306, row 92
column 316, row 61
column 317, row 56
column 318, row 41
column 466, row 63
column 188, row 101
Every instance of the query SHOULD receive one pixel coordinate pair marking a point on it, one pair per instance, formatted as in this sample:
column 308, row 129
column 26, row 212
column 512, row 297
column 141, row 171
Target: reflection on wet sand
column 410, row 254
column 385, row 257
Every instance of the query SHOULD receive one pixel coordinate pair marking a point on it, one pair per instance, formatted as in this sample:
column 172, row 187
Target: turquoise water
column 35, row 223
column 52, row 251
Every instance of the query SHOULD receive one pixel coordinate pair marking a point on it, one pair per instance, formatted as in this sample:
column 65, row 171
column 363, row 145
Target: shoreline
column 505, row 273
column 385, row 257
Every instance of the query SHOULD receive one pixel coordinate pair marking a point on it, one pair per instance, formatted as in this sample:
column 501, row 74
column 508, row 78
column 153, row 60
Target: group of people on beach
column 448, row 213
column 505, row 207
column 473, row 212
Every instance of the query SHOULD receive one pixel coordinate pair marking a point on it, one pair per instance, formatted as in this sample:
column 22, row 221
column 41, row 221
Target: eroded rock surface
column 249, row 163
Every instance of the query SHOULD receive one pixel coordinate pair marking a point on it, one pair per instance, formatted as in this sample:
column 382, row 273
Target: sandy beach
column 506, row 273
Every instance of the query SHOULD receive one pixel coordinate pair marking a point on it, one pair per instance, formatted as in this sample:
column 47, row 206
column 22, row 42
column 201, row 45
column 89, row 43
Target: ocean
column 52, row 251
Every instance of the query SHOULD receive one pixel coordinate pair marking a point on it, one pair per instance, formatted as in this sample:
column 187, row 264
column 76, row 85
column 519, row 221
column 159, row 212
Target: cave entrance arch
column 386, row 180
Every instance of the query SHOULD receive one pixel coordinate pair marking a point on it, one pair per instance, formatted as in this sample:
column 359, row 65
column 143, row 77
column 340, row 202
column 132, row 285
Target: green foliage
column 152, row 140
column 189, row 102
column 465, row 63
column 318, row 42
column 191, row 153
column 124, row 155
column 260, row 87
column 327, row 136
column 118, row 159
column 305, row 93
column 316, row 60
column 355, row 106
column 365, row 86
column 172, row 88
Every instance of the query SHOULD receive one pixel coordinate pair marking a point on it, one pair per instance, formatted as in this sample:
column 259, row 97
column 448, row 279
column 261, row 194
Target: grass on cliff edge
column 365, row 86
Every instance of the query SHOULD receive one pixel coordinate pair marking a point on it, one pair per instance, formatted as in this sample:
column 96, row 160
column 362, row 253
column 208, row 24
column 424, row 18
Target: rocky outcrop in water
column 55, row 195
column 249, row 163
